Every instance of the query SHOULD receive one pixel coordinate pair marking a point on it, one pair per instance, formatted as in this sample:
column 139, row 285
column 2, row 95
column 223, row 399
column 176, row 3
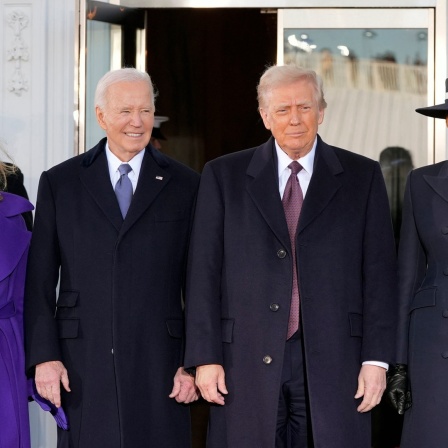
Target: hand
column 210, row 380
column 371, row 385
column 58, row 413
column 184, row 389
column 49, row 375
column 398, row 389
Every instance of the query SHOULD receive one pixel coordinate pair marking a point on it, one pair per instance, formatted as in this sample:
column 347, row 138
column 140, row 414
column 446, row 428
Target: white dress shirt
column 304, row 177
column 114, row 162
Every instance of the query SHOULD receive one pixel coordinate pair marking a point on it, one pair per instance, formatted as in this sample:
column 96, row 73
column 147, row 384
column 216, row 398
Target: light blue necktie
column 123, row 189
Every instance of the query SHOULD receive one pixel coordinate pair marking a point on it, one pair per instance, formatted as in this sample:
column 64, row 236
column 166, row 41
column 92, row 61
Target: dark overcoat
column 239, row 290
column 118, row 323
column 423, row 305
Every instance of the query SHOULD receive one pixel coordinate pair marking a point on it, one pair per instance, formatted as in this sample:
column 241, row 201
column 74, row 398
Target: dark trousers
column 293, row 422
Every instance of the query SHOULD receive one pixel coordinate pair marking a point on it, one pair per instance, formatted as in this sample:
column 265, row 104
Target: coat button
column 445, row 354
column 274, row 306
column 267, row 359
column 281, row 253
column 444, row 230
column 445, row 313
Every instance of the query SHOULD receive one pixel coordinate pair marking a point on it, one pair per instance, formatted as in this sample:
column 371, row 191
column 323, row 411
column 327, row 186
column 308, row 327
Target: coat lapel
column 152, row 180
column 439, row 183
column 95, row 178
column 263, row 189
column 323, row 185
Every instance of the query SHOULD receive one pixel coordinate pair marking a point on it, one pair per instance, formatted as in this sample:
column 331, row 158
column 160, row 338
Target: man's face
column 127, row 118
column 293, row 116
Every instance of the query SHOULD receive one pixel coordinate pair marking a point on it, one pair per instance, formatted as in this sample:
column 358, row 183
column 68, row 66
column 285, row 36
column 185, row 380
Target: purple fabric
column 14, row 242
column 58, row 413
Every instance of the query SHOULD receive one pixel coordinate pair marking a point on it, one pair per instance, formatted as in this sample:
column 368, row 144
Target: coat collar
column 152, row 179
column 264, row 188
column 439, row 183
column 323, row 185
column 14, row 238
column 264, row 191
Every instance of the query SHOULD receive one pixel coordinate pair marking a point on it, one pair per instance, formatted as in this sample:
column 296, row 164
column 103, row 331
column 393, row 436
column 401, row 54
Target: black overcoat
column 118, row 324
column 423, row 305
column 239, row 290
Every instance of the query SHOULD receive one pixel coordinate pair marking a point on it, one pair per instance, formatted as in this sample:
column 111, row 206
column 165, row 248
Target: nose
column 295, row 117
column 136, row 119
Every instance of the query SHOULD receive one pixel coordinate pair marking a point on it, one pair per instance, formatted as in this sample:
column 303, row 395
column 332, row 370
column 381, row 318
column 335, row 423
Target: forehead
column 128, row 93
column 297, row 91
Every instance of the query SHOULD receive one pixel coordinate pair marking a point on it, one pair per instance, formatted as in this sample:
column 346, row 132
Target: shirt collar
column 306, row 161
column 114, row 162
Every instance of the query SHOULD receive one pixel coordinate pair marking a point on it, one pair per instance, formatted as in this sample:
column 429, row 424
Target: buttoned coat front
column 118, row 323
column 423, row 305
column 239, row 291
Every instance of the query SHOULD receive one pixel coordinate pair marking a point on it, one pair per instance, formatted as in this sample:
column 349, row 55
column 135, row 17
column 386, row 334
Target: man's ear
column 321, row 116
column 264, row 117
column 100, row 117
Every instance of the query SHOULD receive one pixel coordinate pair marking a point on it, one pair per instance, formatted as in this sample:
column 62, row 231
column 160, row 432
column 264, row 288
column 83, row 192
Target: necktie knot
column 295, row 167
column 124, row 168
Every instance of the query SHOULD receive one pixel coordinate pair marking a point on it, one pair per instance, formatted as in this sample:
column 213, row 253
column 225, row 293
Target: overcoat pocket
column 68, row 328
column 66, row 305
column 175, row 328
column 424, row 297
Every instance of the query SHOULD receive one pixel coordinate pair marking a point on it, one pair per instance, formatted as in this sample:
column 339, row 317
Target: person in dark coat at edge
column 112, row 225
column 418, row 386
column 308, row 381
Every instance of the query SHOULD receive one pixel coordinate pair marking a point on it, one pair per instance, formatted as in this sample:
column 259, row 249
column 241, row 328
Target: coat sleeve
column 41, row 335
column 204, row 275
column 379, row 276
column 411, row 270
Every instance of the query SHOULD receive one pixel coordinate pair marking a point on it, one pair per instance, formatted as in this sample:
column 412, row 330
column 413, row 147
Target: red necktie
column 292, row 204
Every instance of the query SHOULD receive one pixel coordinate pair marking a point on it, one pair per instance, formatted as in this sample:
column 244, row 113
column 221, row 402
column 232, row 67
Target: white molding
column 18, row 51
column 36, row 118
column 275, row 3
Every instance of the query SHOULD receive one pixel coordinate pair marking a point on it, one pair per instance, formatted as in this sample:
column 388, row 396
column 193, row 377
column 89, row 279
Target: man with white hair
column 112, row 227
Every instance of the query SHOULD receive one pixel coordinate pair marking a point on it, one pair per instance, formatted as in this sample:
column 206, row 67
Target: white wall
column 36, row 118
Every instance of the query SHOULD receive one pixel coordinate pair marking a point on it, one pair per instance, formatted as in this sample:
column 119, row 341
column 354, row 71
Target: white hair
column 121, row 75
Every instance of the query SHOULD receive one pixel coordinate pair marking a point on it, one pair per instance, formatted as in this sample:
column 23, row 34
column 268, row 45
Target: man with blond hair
column 290, row 290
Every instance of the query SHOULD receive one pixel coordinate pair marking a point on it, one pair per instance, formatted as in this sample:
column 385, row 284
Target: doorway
column 204, row 63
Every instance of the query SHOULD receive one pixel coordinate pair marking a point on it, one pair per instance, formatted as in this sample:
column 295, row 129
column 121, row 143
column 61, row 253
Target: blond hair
column 279, row 75
column 6, row 169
